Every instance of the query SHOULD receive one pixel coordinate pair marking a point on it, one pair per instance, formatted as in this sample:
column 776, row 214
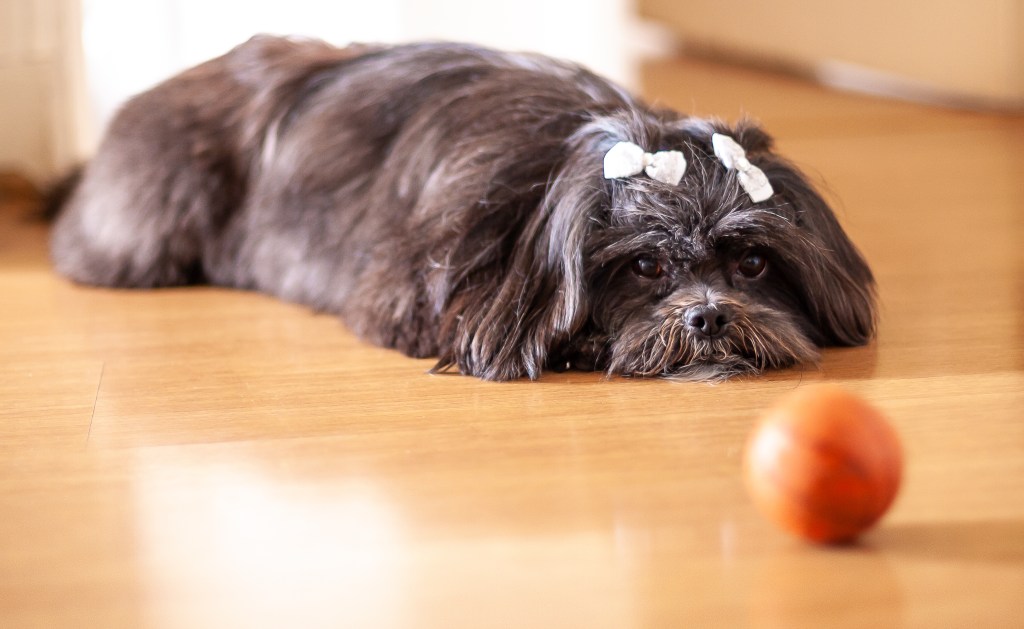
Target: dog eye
column 647, row 266
column 752, row 263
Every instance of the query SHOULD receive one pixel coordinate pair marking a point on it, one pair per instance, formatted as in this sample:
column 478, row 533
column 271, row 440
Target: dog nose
column 709, row 319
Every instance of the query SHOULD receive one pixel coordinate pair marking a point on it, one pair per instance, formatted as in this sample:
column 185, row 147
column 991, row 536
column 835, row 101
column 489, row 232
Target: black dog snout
column 709, row 319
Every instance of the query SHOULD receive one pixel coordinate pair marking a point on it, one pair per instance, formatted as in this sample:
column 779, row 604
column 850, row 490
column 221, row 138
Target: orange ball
column 824, row 464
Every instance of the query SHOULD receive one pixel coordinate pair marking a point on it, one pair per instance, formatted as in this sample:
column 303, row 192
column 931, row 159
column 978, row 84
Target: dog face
column 695, row 280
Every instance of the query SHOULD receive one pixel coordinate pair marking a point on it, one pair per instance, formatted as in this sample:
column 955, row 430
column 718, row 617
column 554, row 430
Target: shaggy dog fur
column 448, row 200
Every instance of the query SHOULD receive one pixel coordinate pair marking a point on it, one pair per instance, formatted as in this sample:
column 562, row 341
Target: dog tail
column 57, row 194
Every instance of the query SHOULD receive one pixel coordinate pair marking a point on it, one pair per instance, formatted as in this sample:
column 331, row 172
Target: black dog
column 505, row 212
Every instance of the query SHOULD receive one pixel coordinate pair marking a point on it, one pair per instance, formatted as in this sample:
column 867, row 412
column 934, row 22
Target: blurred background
column 66, row 65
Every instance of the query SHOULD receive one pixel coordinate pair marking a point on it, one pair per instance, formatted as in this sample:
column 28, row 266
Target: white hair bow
column 626, row 159
column 752, row 179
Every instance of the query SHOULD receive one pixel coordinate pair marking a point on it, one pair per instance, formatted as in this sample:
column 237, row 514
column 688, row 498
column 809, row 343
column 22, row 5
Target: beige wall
column 966, row 50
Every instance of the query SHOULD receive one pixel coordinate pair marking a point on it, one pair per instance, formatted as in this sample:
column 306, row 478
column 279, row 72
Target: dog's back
column 173, row 166
column 225, row 172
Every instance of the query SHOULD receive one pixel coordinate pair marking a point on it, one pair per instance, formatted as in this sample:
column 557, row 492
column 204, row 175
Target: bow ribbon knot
column 752, row 179
column 626, row 159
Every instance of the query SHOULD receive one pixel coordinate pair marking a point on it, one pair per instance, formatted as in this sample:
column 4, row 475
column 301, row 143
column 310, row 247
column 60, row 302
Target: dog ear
column 838, row 286
column 515, row 282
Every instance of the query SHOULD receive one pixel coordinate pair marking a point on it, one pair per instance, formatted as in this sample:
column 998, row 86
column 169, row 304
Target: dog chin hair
column 452, row 201
column 755, row 340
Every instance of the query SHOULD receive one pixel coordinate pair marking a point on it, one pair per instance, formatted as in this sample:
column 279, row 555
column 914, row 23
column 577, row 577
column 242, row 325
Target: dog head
column 691, row 279
column 696, row 279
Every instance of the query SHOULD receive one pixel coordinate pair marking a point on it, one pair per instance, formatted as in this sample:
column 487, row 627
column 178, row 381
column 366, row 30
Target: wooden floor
column 209, row 458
